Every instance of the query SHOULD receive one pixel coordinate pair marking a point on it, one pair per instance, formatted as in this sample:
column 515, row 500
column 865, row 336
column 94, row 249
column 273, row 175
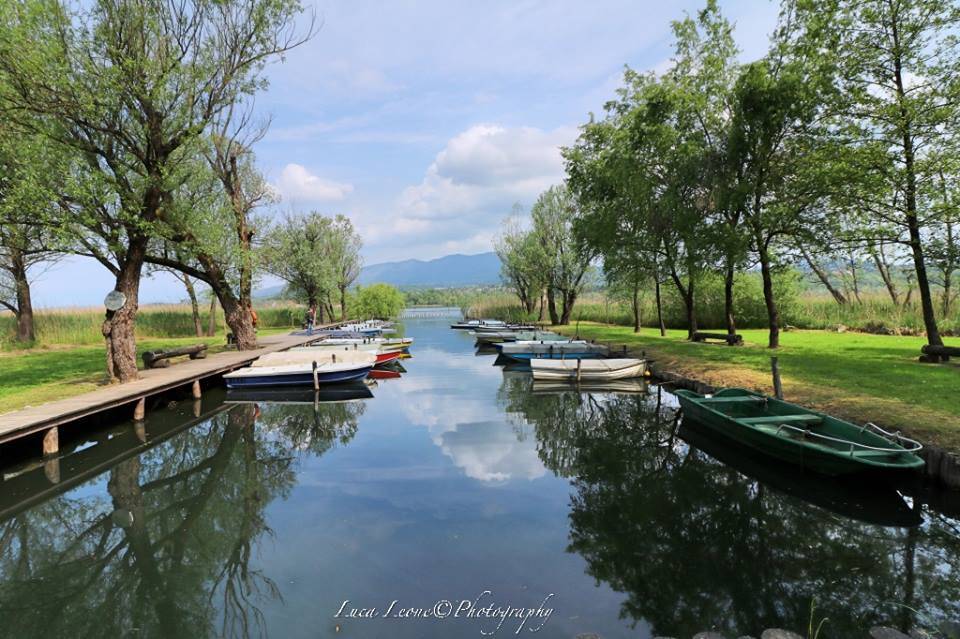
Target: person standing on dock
column 311, row 319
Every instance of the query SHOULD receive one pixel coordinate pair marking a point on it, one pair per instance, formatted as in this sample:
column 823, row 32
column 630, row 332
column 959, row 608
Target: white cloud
column 298, row 184
column 488, row 167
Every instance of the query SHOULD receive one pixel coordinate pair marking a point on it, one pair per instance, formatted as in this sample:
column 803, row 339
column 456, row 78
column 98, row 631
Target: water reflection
column 693, row 543
column 165, row 549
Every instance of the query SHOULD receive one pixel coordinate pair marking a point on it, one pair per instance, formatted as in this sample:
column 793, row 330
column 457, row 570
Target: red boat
column 386, row 358
column 383, row 373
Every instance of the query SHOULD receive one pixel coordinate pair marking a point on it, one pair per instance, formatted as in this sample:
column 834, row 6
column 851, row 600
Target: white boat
column 553, row 350
column 592, row 370
column 308, row 355
column 386, row 344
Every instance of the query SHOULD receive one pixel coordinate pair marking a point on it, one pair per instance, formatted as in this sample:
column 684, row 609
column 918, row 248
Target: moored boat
column 587, row 370
column 554, row 350
column 298, row 374
column 799, row 435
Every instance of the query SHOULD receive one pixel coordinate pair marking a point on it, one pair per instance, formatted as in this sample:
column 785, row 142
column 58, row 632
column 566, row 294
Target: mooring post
column 316, row 380
column 579, row 361
column 196, row 390
column 140, row 430
column 140, row 410
column 777, row 386
column 197, row 407
column 51, row 441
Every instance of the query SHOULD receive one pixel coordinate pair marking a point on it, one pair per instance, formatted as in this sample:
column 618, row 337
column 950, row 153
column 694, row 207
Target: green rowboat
column 798, row 435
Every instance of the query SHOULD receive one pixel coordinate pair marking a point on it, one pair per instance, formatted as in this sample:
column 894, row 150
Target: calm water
column 261, row 519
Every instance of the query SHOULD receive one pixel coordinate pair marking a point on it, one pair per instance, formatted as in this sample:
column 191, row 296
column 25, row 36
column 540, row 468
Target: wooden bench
column 731, row 340
column 161, row 359
column 934, row 354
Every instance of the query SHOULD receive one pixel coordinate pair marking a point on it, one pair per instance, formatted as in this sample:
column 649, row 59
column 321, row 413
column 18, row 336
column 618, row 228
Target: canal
column 599, row 514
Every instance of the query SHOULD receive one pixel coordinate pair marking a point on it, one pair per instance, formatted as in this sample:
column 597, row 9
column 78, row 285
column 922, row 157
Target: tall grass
column 874, row 312
column 82, row 325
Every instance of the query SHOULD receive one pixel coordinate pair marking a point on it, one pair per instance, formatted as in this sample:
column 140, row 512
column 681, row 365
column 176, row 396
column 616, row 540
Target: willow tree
column 130, row 86
column 898, row 106
column 521, row 262
column 297, row 250
column 566, row 260
column 346, row 262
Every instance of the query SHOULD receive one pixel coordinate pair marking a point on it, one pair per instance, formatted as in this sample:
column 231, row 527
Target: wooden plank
column 34, row 419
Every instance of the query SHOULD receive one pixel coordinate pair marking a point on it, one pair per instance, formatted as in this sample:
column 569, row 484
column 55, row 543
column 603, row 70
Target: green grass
column 32, row 377
column 856, row 375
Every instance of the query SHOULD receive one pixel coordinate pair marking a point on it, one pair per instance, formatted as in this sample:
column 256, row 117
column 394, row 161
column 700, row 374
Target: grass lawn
column 34, row 376
column 855, row 375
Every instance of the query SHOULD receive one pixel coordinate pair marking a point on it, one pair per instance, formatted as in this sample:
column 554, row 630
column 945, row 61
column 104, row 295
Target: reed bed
column 873, row 313
column 79, row 326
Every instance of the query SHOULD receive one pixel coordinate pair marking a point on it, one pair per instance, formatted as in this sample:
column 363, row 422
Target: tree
column 522, row 261
column 345, row 244
column 773, row 105
column 208, row 234
column 379, row 301
column 567, row 260
column 29, row 172
column 895, row 113
column 130, row 86
column 296, row 251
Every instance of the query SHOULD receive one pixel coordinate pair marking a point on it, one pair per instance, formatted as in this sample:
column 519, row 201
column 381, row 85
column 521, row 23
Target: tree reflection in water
column 167, row 551
column 694, row 544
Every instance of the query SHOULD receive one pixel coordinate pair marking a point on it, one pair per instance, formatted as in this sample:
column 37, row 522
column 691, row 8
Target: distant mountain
column 449, row 270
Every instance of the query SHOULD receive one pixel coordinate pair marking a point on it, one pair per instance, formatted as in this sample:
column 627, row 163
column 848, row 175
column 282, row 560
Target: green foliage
column 377, row 301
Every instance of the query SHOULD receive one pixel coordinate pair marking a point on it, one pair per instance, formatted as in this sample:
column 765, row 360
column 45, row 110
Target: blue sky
column 426, row 121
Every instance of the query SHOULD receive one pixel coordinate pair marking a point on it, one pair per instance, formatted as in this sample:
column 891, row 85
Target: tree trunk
column 194, row 305
column 636, row 307
column 910, row 193
column 881, row 263
column 119, row 327
column 239, row 320
column 773, row 313
column 569, row 299
column 839, row 297
column 236, row 312
column 663, row 327
column 25, row 330
column 728, row 298
column 212, row 321
column 948, row 268
column 687, row 295
column 542, row 307
column 343, row 303
column 552, row 306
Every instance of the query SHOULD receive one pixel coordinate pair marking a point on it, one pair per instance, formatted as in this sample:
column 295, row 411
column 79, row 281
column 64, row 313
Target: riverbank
column 34, row 376
column 861, row 377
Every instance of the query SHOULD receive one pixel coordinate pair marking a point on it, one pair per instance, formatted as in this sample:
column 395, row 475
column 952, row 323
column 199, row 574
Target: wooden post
column 777, row 386
column 51, row 441
column 316, row 381
column 140, row 430
column 195, row 389
column 197, row 408
column 140, row 410
column 579, row 362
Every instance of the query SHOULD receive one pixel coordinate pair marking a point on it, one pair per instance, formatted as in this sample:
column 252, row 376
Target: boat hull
column 298, row 379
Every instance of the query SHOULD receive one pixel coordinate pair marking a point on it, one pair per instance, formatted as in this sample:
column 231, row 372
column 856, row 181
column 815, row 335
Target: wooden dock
column 48, row 417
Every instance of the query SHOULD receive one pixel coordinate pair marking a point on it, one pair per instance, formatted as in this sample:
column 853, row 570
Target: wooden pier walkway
column 48, row 417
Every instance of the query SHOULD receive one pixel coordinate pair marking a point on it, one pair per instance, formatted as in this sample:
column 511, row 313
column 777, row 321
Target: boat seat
column 782, row 419
column 738, row 398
